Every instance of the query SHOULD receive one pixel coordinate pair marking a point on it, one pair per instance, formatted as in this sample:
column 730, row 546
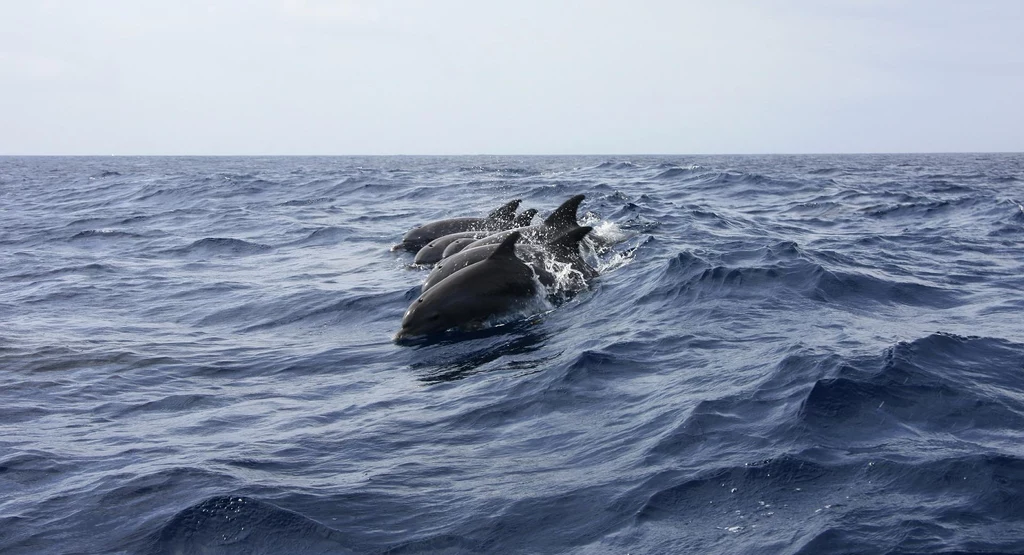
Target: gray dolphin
column 564, row 248
column 434, row 251
column 470, row 296
column 499, row 219
column 524, row 218
column 455, row 246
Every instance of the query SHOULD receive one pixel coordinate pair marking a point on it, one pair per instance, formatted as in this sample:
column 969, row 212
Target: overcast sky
column 511, row 77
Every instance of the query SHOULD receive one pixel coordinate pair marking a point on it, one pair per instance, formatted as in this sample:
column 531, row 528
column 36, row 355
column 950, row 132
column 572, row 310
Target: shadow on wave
column 243, row 525
column 455, row 355
column 676, row 171
column 104, row 234
column 93, row 269
column 903, row 425
column 751, row 183
column 325, row 236
column 307, row 309
column 308, row 202
column 221, row 246
column 945, row 384
column 748, row 420
column 919, row 209
column 841, row 507
column 784, row 267
column 609, row 165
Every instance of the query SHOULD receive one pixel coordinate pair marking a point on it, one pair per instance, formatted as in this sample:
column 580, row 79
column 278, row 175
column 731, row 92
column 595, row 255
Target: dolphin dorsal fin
column 564, row 217
column 569, row 241
column 506, row 213
column 507, row 248
column 524, row 219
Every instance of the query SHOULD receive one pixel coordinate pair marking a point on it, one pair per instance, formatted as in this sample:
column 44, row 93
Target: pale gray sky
column 515, row 77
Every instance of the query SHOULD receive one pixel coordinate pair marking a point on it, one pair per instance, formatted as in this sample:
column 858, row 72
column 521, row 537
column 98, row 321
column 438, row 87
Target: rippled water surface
column 784, row 354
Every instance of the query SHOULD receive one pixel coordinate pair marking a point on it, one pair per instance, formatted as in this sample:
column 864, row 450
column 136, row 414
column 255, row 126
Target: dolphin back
column 502, row 217
column 524, row 218
column 418, row 237
column 564, row 217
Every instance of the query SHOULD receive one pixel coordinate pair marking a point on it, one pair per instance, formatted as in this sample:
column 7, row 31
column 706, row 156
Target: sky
column 350, row 77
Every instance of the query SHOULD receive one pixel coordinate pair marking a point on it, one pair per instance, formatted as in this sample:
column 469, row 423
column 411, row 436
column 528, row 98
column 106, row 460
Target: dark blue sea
column 782, row 354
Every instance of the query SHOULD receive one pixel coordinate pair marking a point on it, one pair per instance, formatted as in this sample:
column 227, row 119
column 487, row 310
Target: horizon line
column 150, row 155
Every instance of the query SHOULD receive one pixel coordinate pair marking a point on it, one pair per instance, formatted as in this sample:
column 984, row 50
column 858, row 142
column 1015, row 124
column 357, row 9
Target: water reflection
column 457, row 355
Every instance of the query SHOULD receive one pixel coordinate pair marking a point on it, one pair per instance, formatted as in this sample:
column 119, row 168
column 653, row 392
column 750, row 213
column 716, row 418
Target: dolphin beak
column 403, row 336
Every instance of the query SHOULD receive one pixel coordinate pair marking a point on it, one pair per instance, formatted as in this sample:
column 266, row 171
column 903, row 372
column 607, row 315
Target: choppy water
column 791, row 354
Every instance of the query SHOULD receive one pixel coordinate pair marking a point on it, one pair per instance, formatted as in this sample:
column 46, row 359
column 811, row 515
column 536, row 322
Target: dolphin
column 455, row 246
column 499, row 219
column 499, row 284
column 561, row 220
column 524, row 218
column 434, row 251
column 564, row 248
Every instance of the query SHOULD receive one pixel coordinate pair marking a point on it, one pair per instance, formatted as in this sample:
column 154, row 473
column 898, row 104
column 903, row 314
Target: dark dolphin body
column 561, row 220
column 524, row 218
column 472, row 295
column 564, row 248
column 456, row 246
column 500, row 219
column 433, row 251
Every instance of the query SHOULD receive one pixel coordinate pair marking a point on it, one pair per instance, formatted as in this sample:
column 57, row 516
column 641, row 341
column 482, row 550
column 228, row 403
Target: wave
column 230, row 524
column 305, row 309
column 690, row 277
column 170, row 403
column 104, row 234
column 615, row 166
column 476, row 352
column 224, row 246
column 673, row 172
column 905, row 210
column 732, row 178
column 942, row 383
column 501, row 171
column 94, row 269
column 326, row 236
column 983, row 489
column 308, row 202
column 347, row 185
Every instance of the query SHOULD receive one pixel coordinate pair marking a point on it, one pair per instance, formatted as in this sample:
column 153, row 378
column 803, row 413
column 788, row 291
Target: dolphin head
column 428, row 317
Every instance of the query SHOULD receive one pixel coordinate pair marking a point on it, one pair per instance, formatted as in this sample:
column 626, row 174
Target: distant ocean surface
column 784, row 354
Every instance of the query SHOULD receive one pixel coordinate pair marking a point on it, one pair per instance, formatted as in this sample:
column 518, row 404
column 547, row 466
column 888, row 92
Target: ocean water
column 783, row 354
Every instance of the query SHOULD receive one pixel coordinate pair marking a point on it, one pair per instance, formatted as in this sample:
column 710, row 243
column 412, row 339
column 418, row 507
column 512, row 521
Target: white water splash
column 568, row 280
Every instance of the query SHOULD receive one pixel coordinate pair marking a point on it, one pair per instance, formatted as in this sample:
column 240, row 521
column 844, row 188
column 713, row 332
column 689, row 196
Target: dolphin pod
column 494, row 266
